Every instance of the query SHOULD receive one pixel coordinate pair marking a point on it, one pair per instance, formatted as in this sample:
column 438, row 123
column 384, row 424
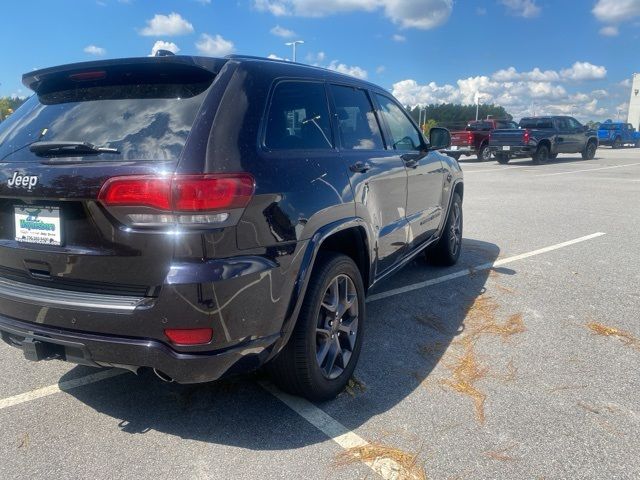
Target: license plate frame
column 38, row 225
column 454, row 148
column 506, row 148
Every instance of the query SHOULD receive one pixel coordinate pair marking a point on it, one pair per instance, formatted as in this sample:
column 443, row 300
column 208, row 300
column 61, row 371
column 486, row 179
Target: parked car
column 543, row 138
column 474, row 139
column 203, row 217
column 618, row 134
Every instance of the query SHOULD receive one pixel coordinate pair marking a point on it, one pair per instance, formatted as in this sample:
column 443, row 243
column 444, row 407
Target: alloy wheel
column 337, row 327
column 455, row 234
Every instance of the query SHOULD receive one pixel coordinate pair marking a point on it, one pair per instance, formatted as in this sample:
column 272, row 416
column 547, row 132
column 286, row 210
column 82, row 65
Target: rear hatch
column 85, row 124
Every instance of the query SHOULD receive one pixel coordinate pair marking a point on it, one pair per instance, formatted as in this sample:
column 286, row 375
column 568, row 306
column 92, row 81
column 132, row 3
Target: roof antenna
column 164, row 53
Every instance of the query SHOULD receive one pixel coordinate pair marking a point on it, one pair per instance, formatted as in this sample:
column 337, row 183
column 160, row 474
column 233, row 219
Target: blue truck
column 618, row 134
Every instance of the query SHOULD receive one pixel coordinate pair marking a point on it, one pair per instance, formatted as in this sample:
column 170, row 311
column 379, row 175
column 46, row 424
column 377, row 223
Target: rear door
column 565, row 136
column 424, row 169
column 378, row 177
column 80, row 129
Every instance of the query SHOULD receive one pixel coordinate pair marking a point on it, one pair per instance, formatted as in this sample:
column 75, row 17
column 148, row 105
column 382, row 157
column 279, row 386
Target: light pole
column 293, row 44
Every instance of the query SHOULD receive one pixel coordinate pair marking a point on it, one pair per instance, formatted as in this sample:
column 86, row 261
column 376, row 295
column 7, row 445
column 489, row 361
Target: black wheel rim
column 486, row 154
column 337, row 327
column 455, row 230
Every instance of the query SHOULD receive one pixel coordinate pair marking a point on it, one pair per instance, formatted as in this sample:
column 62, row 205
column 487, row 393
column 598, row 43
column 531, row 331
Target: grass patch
column 388, row 461
column 606, row 331
column 355, row 386
column 465, row 372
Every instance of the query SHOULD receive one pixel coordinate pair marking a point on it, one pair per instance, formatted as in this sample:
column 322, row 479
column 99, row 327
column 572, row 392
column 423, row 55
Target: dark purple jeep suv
column 204, row 217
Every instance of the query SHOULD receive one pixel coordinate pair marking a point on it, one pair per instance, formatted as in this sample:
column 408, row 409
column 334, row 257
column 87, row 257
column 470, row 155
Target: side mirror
column 439, row 138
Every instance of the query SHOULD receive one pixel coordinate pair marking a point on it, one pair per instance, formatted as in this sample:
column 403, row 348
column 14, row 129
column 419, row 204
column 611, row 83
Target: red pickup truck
column 474, row 139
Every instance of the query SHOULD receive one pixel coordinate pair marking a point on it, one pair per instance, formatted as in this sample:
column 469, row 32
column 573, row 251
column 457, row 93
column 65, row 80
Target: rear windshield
column 142, row 121
column 479, row 126
column 536, row 123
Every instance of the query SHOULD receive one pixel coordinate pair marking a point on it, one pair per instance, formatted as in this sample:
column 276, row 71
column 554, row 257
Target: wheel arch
column 328, row 238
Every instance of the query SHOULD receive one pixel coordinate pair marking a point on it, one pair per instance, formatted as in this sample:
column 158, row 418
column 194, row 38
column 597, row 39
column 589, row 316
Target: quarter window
column 298, row 117
column 359, row 129
column 404, row 135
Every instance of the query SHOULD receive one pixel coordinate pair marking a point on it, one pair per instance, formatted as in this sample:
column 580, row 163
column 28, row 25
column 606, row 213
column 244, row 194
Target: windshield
column 142, row 121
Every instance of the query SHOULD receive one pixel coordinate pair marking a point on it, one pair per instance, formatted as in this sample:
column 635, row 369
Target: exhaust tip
column 163, row 376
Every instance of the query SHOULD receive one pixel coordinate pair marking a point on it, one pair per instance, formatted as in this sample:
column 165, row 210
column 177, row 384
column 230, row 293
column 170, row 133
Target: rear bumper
column 514, row 150
column 99, row 350
column 461, row 150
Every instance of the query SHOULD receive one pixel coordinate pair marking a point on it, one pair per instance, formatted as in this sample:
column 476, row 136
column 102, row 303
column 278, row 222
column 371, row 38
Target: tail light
column 470, row 138
column 182, row 199
column 526, row 137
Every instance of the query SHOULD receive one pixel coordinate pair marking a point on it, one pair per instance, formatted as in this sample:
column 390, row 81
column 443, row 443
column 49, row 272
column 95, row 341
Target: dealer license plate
column 506, row 147
column 37, row 224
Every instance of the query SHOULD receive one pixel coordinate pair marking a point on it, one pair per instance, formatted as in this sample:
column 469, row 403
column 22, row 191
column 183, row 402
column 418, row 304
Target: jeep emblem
column 25, row 181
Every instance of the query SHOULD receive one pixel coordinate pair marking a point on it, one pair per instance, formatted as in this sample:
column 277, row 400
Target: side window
column 298, row 117
column 404, row 135
column 359, row 129
column 563, row 124
column 574, row 124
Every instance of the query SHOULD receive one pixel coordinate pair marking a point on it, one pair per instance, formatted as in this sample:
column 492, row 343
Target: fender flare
column 304, row 273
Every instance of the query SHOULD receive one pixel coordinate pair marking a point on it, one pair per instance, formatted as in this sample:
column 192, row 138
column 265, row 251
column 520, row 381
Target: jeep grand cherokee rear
column 197, row 216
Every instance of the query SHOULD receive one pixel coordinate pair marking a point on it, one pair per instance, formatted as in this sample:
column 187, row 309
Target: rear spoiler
column 104, row 72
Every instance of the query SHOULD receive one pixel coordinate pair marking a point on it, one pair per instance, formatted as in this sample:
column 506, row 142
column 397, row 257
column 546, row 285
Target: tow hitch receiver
column 35, row 350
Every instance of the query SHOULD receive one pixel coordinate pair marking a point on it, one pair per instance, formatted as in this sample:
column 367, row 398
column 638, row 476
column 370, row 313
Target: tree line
column 454, row 116
column 8, row 105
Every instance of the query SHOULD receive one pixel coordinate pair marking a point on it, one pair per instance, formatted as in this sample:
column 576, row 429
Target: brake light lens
column 137, row 191
column 470, row 138
column 526, row 137
column 210, row 193
column 182, row 193
column 189, row 336
column 88, row 76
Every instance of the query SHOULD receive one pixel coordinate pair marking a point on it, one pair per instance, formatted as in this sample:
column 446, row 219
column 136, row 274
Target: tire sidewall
column 322, row 386
column 539, row 158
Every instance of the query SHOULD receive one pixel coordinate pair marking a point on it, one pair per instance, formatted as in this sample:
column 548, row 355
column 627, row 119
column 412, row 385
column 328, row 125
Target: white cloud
column 399, row 38
column 522, row 8
column 521, row 93
column 616, row 11
column 162, row 45
column 279, row 31
column 93, row 50
column 354, row 71
column 422, row 14
column 316, row 58
column 166, row 25
column 584, row 71
column 610, row 31
column 380, row 69
column 626, row 83
column 215, row 46
column 481, row 11
column 273, row 56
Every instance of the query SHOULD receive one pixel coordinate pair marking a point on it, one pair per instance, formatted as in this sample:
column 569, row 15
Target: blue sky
column 542, row 56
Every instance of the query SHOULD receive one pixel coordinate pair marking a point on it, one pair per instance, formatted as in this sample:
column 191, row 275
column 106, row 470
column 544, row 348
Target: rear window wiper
column 68, row 149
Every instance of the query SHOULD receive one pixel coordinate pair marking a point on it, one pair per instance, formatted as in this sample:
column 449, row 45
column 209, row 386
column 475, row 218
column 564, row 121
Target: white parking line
column 59, row 387
column 588, row 170
column 385, row 467
column 484, row 266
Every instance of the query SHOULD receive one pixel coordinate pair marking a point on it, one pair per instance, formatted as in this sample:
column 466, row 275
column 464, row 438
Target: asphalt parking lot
column 523, row 361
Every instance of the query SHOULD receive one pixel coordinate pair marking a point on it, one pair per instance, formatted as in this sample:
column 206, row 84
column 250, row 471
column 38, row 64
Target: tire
column 637, row 144
column 589, row 151
column 335, row 281
column 455, row 156
column 484, row 155
column 502, row 159
column 542, row 155
column 617, row 143
column 447, row 251
column 553, row 156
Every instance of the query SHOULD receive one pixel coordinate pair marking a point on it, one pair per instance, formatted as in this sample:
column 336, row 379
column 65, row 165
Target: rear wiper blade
column 68, row 149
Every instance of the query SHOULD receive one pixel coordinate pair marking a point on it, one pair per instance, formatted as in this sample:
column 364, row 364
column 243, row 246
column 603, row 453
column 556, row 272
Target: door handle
column 360, row 167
